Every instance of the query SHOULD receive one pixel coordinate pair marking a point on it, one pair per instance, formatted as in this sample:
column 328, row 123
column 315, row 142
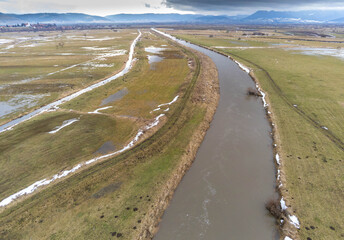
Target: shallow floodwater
column 115, row 97
column 153, row 59
column 339, row 53
column 223, row 194
column 19, row 102
column 106, row 148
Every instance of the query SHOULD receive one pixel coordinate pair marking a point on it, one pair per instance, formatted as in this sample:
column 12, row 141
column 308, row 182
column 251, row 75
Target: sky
column 216, row 7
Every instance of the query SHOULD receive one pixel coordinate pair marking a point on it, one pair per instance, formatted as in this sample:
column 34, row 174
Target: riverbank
column 206, row 94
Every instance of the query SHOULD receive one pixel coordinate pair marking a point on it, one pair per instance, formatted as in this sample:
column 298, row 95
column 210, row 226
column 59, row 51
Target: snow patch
column 293, row 220
column 265, row 104
column 165, row 104
column 9, row 47
column 242, row 66
column 277, row 159
column 153, row 49
column 3, row 41
column 224, row 47
column 99, row 109
column 64, row 124
column 96, row 48
column 98, row 65
column 169, row 103
column 283, row 205
column 102, row 39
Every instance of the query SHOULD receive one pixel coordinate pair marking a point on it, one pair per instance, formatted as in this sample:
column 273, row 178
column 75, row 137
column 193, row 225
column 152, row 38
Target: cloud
column 242, row 5
column 99, row 7
column 28, row 6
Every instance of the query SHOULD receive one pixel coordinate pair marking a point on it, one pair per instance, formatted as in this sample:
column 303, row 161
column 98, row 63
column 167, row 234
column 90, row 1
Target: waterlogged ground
column 302, row 74
column 48, row 148
column 37, row 68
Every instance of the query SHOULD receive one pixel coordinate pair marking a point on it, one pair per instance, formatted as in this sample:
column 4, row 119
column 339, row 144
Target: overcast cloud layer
column 96, row 7
column 107, row 7
column 247, row 6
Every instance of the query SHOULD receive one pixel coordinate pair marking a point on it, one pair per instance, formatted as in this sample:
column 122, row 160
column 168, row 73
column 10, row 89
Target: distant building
column 26, row 25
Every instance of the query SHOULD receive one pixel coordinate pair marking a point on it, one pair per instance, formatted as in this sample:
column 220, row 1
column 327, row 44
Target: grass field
column 118, row 196
column 48, row 66
column 306, row 97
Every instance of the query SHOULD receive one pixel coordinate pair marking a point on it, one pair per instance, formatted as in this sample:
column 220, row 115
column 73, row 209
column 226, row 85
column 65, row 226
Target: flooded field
column 37, row 68
column 338, row 53
column 115, row 97
column 55, row 105
column 223, row 195
column 19, row 102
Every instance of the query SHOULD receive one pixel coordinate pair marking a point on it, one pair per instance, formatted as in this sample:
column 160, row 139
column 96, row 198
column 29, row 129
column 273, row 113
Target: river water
column 223, row 195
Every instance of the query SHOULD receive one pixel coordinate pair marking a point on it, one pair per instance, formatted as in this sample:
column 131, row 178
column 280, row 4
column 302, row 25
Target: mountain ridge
column 259, row 17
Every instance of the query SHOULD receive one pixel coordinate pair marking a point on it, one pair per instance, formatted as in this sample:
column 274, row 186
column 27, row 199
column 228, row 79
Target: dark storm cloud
column 221, row 5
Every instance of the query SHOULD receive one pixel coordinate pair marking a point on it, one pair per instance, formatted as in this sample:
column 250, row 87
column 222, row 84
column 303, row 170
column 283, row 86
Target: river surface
column 223, row 195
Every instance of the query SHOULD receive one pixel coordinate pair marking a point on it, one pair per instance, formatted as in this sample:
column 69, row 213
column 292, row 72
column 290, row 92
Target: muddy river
column 223, row 194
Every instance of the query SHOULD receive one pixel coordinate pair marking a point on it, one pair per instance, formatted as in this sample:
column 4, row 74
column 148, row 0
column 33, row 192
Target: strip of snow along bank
column 33, row 187
column 277, row 159
column 283, row 205
column 165, row 34
column 242, row 66
column 247, row 70
column 64, row 124
column 265, row 104
column 53, row 105
column 293, row 220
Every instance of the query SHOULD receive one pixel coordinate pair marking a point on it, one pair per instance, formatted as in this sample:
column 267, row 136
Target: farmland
column 37, row 68
column 122, row 194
